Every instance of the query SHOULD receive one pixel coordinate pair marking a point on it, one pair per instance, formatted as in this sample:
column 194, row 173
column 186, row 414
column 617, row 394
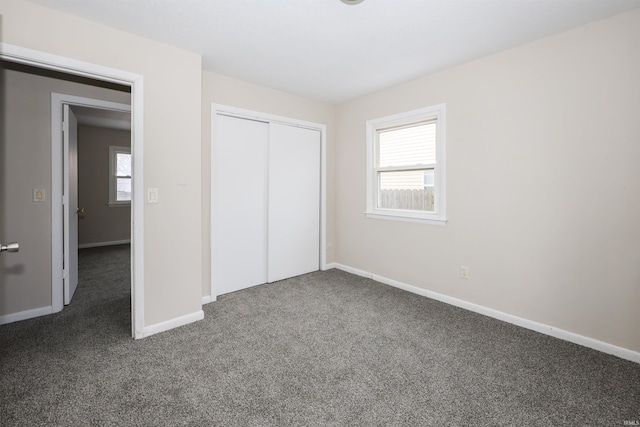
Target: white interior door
column 294, row 201
column 70, row 195
column 239, row 204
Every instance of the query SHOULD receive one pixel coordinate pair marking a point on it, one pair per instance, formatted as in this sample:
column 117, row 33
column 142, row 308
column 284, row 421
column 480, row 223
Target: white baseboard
column 331, row 265
column 604, row 347
column 99, row 244
column 27, row 314
column 171, row 324
column 208, row 298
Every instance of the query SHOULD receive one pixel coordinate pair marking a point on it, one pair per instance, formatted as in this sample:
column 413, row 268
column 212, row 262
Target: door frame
column 66, row 65
column 60, row 175
column 270, row 118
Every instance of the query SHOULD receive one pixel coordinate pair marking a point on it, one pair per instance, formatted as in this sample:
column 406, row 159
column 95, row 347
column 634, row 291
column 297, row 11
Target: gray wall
column 100, row 223
column 25, row 276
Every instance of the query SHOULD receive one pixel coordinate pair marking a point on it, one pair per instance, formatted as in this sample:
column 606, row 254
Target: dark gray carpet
column 327, row 348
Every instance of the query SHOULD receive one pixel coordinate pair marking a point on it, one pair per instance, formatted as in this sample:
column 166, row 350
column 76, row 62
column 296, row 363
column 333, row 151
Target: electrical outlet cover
column 464, row 272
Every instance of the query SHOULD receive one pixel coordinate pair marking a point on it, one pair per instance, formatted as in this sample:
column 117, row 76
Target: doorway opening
column 65, row 125
column 74, row 69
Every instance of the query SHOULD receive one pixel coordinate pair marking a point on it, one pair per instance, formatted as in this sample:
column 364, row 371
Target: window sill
column 405, row 218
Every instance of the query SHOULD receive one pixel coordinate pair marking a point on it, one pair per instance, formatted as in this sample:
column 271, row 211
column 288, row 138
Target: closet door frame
column 226, row 110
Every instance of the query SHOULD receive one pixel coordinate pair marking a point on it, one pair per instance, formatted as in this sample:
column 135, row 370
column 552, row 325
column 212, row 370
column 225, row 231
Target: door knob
column 80, row 210
column 10, row 247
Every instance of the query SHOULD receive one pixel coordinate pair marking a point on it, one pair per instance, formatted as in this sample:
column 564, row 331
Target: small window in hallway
column 119, row 176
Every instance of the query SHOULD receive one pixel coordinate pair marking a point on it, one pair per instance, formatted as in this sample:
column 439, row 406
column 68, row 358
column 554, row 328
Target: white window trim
column 113, row 149
column 439, row 217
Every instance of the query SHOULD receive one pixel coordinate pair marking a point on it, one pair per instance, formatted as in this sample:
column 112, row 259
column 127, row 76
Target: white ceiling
column 334, row 52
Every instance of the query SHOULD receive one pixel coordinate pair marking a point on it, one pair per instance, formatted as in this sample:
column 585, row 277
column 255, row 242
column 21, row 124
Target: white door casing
column 70, row 202
column 35, row 58
column 61, row 222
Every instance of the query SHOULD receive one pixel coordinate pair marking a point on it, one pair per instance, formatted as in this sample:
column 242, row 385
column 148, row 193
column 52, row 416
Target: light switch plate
column 39, row 195
column 152, row 195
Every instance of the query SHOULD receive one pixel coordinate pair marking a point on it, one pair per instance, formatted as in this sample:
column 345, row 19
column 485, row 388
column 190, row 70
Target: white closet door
column 294, row 201
column 239, row 204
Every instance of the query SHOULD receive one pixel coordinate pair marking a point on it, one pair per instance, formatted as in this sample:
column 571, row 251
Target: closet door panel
column 239, row 204
column 293, row 201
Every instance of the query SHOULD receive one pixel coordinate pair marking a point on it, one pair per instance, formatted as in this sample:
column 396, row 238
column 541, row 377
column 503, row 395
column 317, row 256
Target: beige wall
column 100, row 222
column 25, row 276
column 543, row 183
column 172, row 141
column 224, row 90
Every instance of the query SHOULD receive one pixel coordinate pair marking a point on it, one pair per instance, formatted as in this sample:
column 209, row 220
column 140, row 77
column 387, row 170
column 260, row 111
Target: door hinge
column 65, row 126
column 65, row 200
column 65, row 274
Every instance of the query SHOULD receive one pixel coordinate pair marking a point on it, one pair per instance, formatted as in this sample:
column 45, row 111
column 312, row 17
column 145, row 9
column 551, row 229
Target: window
column 119, row 176
column 406, row 166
